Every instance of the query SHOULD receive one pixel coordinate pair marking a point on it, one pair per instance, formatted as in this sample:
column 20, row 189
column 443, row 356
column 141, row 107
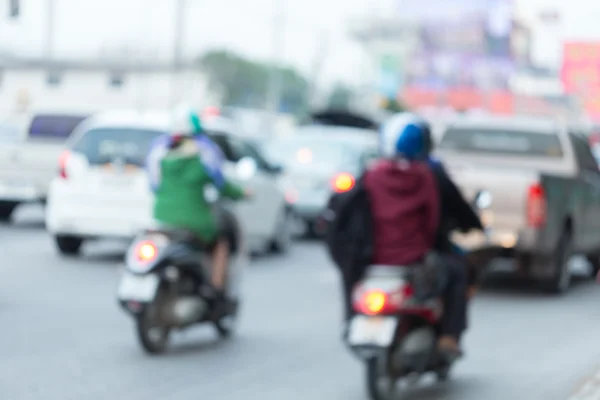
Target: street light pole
column 50, row 30
column 320, row 57
column 179, row 30
column 178, row 33
column 275, row 76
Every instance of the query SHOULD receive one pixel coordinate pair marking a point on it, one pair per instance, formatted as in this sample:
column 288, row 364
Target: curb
column 589, row 389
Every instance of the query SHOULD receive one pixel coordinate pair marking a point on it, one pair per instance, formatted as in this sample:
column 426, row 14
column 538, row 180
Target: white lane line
column 589, row 389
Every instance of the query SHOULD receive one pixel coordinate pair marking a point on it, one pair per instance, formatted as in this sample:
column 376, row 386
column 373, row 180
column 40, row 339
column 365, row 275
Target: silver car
column 318, row 161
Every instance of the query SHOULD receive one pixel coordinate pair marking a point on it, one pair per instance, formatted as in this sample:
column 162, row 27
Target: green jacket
column 180, row 199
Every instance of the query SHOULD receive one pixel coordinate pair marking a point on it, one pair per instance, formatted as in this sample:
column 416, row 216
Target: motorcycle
column 166, row 283
column 395, row 329
column 396, row 323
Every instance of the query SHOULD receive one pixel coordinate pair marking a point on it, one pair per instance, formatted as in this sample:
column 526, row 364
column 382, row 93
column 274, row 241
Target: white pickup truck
column 30, row 149
column 544, row 187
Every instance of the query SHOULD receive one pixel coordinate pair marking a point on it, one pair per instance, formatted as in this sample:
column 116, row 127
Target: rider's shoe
column 449, row 348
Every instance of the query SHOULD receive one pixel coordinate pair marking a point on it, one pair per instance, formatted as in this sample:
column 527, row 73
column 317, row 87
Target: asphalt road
column 63, row 337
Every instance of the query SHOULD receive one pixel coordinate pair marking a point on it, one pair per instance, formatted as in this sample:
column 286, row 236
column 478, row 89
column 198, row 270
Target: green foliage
column 243, row 82
column 394, row 106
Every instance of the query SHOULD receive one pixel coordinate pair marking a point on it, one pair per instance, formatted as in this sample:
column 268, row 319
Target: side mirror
column 246, row 168
column 482, row 200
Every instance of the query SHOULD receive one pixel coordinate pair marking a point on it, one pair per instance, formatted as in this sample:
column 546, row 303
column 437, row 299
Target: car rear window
column 502, row 142
column 305, row 153
column 54, row 127
column 105, row 145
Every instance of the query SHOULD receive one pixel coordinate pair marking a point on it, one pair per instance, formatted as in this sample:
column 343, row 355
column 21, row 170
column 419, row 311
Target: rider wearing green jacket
column 180, row 199
column 181, row 166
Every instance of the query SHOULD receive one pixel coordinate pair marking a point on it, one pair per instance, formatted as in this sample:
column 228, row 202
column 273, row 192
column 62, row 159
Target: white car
column 29, row 148
column 102, row 190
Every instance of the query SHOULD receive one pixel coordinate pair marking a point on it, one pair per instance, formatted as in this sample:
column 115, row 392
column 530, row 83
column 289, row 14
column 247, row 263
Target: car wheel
column 313, row 231
column 594, row 261
column 561, row 279
column 68, row 245
column 283, row 232
column 6, row 210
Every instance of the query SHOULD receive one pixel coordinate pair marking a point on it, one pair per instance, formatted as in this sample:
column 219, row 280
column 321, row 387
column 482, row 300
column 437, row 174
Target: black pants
column 454, row 318
column 347, row 288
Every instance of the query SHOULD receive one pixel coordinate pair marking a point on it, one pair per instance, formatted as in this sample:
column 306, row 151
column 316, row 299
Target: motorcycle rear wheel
column 153, row 337
column 379, row 386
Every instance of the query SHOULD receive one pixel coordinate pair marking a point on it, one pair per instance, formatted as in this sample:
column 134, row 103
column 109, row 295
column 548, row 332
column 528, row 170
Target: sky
column 94, row 28
column 87, row 28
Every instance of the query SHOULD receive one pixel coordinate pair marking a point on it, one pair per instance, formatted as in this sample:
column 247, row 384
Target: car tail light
column 343, row 182
column 145, row 251
column 210, row 112
column 62, row 164
column 536, row 206
column 291, row 196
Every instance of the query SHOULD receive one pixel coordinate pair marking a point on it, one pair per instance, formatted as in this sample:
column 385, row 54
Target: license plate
column 140, row 288
column 119, row 181
column 17, row 190
column 372, row 331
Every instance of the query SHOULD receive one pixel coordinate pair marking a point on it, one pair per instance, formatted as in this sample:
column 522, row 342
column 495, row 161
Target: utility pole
column 318, row 62
column 275, row 78
column 50, row 29
column 178, row 33
column 179, row 30
column 14, row 9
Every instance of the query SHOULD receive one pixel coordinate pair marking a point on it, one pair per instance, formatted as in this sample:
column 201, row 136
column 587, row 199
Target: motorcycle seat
column 425, row 278
column 181, row 235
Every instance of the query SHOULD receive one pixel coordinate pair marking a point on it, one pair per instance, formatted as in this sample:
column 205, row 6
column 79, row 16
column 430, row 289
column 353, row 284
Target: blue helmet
column 411, row 143
column 404, row 135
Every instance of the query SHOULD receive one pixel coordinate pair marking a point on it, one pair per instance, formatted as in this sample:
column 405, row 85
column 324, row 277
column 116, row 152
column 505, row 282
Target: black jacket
column 456, row 212
column 349, row 237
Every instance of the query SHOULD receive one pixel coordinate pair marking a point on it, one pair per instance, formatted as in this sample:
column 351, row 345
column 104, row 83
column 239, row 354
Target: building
column 29, row 86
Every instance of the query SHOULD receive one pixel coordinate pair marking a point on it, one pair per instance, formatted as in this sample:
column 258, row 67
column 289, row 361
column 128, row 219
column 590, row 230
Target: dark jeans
column 454, row 318
column 347, row 288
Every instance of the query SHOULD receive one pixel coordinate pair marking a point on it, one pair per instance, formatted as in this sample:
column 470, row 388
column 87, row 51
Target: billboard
column 580, row 74
column 462, row 44
column 581, row 66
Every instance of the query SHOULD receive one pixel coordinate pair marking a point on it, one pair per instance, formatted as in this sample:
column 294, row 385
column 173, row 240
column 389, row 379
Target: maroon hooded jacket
column 406, row 210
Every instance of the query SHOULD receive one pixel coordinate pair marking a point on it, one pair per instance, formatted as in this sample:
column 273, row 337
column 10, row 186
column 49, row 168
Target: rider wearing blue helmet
column 405, row 205
column 404, row 201
column 407, row 137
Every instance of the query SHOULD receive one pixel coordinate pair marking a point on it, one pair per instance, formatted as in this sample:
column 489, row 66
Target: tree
column 392, row 105
column 243, row 82
column 340, row 97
